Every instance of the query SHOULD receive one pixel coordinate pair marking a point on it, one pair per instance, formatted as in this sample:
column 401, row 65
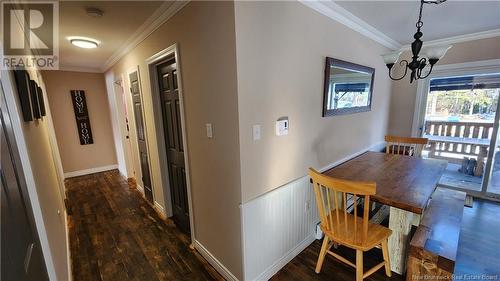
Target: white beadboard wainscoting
column 276, row 227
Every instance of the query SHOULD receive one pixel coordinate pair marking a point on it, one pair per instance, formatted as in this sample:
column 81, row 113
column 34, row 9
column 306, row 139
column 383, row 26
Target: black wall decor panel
column 22, row 82
column 82, row 117
column 41, row 102
column 35, row 106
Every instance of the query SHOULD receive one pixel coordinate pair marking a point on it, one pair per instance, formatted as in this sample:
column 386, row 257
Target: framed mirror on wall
column 348, row 87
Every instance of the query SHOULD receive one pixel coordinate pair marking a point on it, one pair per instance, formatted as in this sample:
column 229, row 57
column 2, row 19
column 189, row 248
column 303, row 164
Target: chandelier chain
column 420, row 23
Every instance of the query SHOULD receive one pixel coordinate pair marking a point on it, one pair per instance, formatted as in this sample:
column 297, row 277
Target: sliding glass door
column 461, row 122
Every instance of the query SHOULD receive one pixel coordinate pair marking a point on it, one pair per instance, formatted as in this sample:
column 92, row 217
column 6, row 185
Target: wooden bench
column 433, row 248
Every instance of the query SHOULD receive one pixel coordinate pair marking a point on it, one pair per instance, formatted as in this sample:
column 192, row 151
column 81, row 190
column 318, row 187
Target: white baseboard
column 279, row 264
column 90, row 171
column 214, row 262
column 160, row 208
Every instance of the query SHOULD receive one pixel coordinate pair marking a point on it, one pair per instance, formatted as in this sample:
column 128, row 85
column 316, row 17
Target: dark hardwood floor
column 116, row 235
column 479, row 244
column 302, row 266
column 478, row 252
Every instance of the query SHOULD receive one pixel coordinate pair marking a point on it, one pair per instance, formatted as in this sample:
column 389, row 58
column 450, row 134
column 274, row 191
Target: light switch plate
column 210, row 133
column 282, row 126
column 256, row 129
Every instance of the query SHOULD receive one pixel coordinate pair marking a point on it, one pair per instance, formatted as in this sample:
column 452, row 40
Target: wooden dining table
column 404, row 183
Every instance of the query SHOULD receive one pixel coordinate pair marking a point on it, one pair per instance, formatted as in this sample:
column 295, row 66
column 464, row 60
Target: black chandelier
column 430, row 57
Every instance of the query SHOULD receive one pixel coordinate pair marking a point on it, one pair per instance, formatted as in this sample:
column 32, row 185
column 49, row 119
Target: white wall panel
column 276, row 227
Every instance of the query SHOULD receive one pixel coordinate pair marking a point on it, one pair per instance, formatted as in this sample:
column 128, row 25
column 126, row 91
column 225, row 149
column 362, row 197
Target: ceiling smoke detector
column 94, row 12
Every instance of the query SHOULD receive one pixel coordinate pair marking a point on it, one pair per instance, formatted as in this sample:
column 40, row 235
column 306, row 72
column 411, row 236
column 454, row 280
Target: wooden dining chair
column 405, row 145
column 344, row 228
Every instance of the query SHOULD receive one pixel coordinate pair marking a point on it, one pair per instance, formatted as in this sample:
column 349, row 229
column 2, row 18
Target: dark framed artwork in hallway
column 82, row 117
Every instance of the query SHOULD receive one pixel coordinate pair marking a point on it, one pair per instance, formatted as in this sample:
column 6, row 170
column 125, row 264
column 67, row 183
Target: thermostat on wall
column 282, row 125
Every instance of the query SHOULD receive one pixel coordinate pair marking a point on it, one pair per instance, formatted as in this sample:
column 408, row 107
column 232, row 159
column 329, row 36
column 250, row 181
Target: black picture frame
column 23, row 91
column 41, row 101
column 330, row 62
column 35, row 105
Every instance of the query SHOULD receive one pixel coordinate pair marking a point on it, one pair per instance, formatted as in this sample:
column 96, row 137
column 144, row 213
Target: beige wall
column 205, row 35
column 76, row 157
column 41, row 168
column 404, row 93
column 281, row 50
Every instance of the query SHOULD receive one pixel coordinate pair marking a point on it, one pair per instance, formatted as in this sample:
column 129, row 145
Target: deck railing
column 455, row 140
column 475, row 130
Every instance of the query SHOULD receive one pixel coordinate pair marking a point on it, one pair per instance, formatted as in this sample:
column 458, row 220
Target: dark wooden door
column 169, row 94
column 22, row 257
column 141, row 135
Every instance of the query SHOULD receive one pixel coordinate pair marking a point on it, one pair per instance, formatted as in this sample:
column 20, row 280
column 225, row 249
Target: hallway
column 116, row 235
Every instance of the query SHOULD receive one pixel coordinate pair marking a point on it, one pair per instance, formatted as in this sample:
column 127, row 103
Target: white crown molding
column 79, row 69
column 162, row 14
column 346, row 18
column 459, row 39
column 341, row 15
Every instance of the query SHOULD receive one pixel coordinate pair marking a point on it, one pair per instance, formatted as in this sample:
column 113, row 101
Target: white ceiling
column 396, row 19
column 390, row 22
column 121, row 19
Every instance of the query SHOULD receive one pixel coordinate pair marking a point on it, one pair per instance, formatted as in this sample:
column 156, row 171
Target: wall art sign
column 41, row 102
column 82, row 116
column 35, row 103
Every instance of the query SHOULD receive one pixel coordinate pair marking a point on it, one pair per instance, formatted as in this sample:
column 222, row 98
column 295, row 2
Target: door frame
column 138, row 170
column 458, row 69
column 152, row 62
column 123, row 113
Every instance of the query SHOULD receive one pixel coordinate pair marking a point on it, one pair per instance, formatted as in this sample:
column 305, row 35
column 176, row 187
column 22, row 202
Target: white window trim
column 447, row 70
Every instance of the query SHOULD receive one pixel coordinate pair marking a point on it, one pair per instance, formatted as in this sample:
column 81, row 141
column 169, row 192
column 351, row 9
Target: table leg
column 433, row 149
column 480, row 161
column 382, row 213
column 400, row 222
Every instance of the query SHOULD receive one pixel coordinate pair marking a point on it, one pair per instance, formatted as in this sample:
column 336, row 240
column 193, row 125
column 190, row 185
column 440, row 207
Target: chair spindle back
column 332, row 201
column 405, row 145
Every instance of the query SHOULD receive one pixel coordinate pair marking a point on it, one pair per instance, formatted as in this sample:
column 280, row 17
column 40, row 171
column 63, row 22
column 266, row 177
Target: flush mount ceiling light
column 430, row 56
column 86, row 43
column 94, row 12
